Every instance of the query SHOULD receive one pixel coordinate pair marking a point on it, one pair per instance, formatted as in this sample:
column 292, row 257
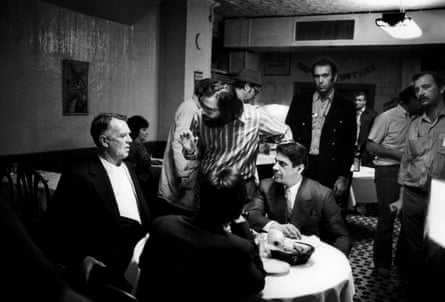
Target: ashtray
column 299, row 254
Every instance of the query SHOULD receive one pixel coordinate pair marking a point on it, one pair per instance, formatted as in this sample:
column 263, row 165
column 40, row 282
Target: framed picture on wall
column 277, row 64
column 75, row 87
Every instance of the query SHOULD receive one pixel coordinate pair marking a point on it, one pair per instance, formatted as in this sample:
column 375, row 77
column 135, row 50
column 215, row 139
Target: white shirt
column 290, row 195
column 123, row 189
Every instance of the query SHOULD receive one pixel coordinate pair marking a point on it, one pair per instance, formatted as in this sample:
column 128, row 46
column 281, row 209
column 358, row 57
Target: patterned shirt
column 320, row 109
column 236, row 144
column 424, row 156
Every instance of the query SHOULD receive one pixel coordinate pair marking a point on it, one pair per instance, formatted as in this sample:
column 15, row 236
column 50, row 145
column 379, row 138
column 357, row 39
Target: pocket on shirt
column 415, row 146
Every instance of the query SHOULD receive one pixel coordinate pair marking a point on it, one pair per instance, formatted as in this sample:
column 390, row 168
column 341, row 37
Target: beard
column 216, row 122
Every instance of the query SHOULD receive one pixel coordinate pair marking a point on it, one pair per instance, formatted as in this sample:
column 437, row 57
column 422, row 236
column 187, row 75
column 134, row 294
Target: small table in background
column 363, row 187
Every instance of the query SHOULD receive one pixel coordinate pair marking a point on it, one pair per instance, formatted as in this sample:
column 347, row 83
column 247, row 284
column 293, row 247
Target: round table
column 327, row 276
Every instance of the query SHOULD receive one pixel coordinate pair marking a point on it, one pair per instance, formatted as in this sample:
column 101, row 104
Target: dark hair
column 222, row 196
column 204, row 85
column 100, row 124
column 230, row 106
column 438, row 79
column 136, row 123
column 359, row 93
column 296, row 153
column 326, row 62
column 407, row 95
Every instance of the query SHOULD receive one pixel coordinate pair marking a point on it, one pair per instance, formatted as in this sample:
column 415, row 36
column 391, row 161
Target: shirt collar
column 403, row 110
column 329, row 97
column 294, row 189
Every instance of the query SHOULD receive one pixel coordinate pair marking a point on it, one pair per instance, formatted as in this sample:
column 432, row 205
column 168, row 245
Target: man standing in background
column 365, row 118
column 325, row 123
column 422, row 160
column 387, row 141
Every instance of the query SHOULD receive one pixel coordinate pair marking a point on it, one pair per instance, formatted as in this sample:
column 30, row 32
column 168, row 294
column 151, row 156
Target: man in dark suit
column 98, row 212
column 365, row 118
column 295, row 204
column 324, row 122
column 197, row 259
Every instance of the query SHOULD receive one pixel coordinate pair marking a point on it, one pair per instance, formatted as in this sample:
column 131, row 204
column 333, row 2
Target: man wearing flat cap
column 247, row 85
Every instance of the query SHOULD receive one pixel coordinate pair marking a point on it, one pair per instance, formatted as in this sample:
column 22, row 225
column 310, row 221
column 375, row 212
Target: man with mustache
column 295, row 204
column 422, row 160
column 228, row 132
column 325, row 123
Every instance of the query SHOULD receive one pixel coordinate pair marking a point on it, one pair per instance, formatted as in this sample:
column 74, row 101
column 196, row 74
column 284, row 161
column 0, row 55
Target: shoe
column 384, row 272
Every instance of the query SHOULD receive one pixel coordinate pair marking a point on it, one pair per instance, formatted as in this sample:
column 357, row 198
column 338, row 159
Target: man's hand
column 188, row 141
column 396, row 206
column 87, row 265
column 289, row 230
column 340, row 186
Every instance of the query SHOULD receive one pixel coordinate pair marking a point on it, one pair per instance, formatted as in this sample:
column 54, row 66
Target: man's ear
column 300, row 168
column 103, row 141
column 335, row 78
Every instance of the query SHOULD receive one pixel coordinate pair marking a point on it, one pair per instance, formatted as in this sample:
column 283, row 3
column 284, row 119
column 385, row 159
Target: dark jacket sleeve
column 257, row 209
column 333, row 229
column 346, row 157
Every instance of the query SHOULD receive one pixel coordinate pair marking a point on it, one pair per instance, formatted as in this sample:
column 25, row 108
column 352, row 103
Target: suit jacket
column 337, row 139
column 186, row 261
column 366, row 120
column 315, row 211
column 84, row 218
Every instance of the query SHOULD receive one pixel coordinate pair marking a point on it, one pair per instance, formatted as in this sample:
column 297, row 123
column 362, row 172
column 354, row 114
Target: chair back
column 33, row 193
column 7, row 191
column 108, row 293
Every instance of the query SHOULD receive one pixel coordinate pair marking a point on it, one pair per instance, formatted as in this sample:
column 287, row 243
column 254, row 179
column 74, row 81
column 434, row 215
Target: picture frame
column 277, row 64
column 75, row 87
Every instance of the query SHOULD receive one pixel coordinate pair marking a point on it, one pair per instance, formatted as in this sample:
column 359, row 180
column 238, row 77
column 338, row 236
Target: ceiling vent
column 324, row 30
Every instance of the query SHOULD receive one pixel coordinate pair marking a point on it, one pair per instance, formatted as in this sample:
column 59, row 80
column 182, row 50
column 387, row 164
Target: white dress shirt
column 123, row 189
column 290, row 194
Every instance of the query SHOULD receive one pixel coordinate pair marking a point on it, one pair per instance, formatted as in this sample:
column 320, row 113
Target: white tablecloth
column 363, row 187
column 327, row 277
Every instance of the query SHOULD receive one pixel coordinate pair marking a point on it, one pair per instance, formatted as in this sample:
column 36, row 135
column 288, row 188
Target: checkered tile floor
column 368, row 284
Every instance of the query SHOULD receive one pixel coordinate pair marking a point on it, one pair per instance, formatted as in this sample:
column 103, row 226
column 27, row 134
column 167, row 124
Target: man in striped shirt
column 226, row 134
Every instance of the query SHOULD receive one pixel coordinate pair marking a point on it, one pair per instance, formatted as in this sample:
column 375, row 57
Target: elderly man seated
column 295, row 204
column 196, row 259
column 98, row 213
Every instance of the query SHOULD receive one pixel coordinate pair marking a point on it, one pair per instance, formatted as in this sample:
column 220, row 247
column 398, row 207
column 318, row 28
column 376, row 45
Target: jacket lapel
column 278, row 203
column 102, row 185
column 142, row 203
column 303, row 205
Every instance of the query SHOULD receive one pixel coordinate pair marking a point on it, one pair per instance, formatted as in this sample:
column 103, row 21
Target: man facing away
column 386, row 141
column 325, row 123
column 295, row 204
column 228, row 133
column 197, row 259
column 98, row 213
column 423, row 159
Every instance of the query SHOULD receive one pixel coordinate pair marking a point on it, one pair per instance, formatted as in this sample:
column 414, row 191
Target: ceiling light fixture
column 399, row 25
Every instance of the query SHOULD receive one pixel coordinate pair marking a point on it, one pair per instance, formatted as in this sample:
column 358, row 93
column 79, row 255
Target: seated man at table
column 197, row 259
column 98, row 213
column 295, row 204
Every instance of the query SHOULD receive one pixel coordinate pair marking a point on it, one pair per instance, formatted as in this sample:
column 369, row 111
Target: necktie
column 287, row 195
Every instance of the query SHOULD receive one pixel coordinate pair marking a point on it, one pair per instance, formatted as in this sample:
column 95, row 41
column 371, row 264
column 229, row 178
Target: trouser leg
column 388, row 190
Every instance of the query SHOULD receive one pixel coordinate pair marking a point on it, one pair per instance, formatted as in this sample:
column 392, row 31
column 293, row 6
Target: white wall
column 35, row 38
